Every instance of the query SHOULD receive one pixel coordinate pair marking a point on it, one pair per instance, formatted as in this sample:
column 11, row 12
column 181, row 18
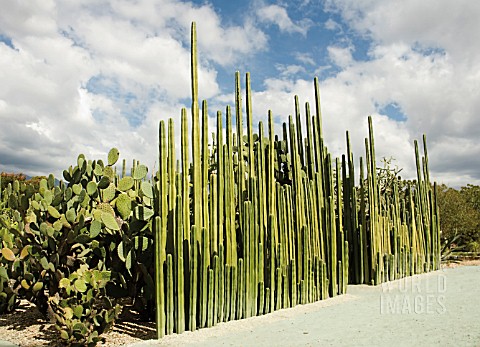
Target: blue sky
column 84, row 76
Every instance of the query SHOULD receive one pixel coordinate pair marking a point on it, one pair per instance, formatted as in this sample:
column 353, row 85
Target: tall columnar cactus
column 260, row 222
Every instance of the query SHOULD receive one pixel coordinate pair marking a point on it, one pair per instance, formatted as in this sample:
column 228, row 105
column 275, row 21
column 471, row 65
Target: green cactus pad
column 97, row 215
column 140, row 172
column 97, row 170
column 80, row 285
column 77, row 189
column 105, row 207
column 64, row 283
column 109, row 172
column 50, row 181
column 124, row 206
column 89, row 169
column 37, row 286
column 108, row 194
column 104, row 182
column 68, row 194
column 91, row 188
column 58, row 225
column 95, row 228
column 78, row 311
column 66, row 176
column 53, row 212
column 113, row 156
column 121, row 251
column 48, row 197
column 71, row 215
column 125, row 183
column 8, row 254
column 85, row 202
column 147, row 189
column 80, row 160
column 43, row 185
column 110, row 221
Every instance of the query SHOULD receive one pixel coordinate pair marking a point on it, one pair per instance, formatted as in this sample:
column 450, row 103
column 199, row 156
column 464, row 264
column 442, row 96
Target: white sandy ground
column 441, row 308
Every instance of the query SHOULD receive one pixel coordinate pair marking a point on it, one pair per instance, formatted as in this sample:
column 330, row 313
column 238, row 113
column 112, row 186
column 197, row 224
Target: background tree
column 7, row 178
column 460, row 215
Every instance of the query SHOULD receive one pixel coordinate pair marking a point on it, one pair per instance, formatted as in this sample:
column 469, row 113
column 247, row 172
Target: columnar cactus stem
column 196, row 157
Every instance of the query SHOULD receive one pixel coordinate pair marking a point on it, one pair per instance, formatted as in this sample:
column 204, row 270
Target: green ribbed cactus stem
column 261, row 271
column 271, row 198
column 262, row 196
column 227, row 293
column 124, row 167
column 305, row 261
column 298, row 123
column 241, row 289
column 214, row 218
column 373, row 166
column 170, row 303
column 185, row 181
column 210, row 314
column 193, row 279
column 216, row 290
column 261, row 263
column 310, row 140
column 325, row 281
column 230, row 207
column 285, row 302
column 233, row 295
column 179, row 270
column 253, row 229
column 196, row 154
column 248, row 95
column 171, row 234
column 229, row 210
column 318, row 279
column 293, row 282
column 204, row 278
column 240, row 145
column 163, row 191
column 303, row 294
column 159, row 284
column 261, row 298
column 205, row 176
column 268, row 308
column 247, row 258
column 333, row 249
column 339, row 277
column 221, row 283
column 221, row 183
column 311, row 285
column 365, row 278
column 279, row 277
column 271, row 228
column 346, row 268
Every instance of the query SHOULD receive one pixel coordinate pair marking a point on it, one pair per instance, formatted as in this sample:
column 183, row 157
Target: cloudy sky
column 85, row 76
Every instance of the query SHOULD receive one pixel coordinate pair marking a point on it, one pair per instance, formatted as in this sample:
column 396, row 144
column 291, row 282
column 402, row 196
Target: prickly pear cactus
column 81, row 309
column 94, row 218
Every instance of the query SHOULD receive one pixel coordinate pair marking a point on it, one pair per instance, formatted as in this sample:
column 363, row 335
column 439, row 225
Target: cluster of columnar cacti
column 258, row 222
column 393, row 225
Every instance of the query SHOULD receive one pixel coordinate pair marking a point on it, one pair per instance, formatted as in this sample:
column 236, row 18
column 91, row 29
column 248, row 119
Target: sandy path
column 436, row 309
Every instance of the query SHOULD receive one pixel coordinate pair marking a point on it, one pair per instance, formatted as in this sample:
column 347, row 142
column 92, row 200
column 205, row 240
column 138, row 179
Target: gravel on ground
column 440, row 308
